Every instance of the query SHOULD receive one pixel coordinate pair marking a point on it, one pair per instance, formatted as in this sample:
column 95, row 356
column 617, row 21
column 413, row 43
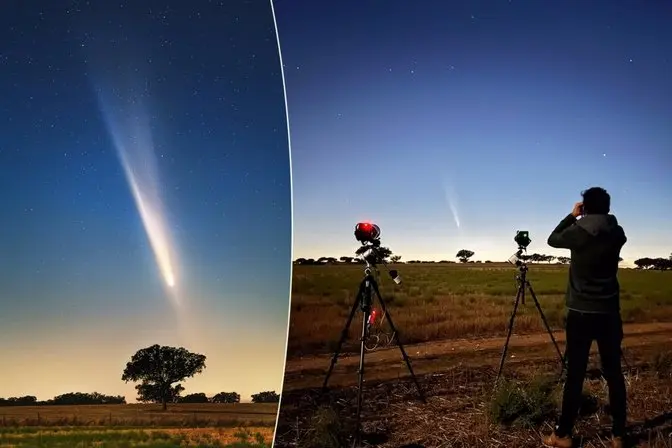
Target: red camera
column 366, row 232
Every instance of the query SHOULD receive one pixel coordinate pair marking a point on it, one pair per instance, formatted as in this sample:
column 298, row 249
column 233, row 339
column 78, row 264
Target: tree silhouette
column 158, row 367
column 346, row 259
column 464, row 255
column 564, row 260
column 395, row 258
column 226, row 397
column 194, row 398
column 658, row 264
column 266, row 397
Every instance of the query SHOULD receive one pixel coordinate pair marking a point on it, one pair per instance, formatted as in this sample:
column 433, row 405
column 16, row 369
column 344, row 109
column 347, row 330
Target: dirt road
column 440, row 356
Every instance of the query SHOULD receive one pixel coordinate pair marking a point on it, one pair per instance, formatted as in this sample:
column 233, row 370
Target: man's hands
column 578, row 209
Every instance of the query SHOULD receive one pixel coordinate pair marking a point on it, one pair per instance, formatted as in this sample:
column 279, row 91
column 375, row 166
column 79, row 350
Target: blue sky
column 493, row 114
column 192, row 95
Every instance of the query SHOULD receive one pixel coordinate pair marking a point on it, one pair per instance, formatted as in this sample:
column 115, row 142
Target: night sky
column 131, row 119
column 452, row 124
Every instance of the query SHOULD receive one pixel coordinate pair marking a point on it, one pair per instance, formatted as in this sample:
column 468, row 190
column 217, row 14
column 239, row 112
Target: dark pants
column 582, row 330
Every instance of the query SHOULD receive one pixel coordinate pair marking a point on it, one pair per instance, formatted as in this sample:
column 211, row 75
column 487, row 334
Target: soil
column 454, row 376
column 432, row 357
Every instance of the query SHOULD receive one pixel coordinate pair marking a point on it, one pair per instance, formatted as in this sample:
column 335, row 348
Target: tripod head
column 519, row 260
column 371, row 254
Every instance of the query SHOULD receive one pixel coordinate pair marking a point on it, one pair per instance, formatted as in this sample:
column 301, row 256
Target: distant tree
column 300, row 261
column 641, row 263
column 80, row 398
column 444, row 261
column 226, row 397
column 662, row 264
column 194, row 398
column 564, row 260
column 158, row 368
column 266, row 397
column 487, row 261
column 659, row 264
column 395, row 258
column 346, row 259
column 464, row 255
column 27, row 400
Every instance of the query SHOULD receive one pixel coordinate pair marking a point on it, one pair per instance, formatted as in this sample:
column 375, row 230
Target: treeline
column 465, row 256
column 72, row 398
column 656, row 264
column 82, row 398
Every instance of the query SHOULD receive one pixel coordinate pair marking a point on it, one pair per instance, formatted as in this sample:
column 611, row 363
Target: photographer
column 593, row 306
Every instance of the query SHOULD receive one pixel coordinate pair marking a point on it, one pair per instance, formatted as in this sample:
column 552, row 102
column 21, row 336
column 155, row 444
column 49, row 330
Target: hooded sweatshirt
column 595, row 242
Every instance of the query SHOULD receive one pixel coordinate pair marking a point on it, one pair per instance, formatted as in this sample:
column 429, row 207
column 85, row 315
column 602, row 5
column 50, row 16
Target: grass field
column 197, row 425
column 444, row 301
column 458, row 316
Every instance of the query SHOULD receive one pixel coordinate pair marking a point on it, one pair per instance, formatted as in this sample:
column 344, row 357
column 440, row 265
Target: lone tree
column 395, row 258
column 266, row 397
column 464, row 255
column 158, row 367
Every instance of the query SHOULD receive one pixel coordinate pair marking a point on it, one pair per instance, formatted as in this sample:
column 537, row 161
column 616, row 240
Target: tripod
column 523, row 284
column 367, row 289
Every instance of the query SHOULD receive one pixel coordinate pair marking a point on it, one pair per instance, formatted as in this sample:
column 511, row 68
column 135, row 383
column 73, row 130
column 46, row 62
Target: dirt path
column 444, row 355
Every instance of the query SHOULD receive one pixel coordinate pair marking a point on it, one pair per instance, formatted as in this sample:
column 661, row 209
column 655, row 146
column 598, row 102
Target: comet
column 129, row 127
column 451, row 199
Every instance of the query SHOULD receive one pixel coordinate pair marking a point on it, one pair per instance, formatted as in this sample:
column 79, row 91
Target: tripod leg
column 521, row 292
column 548, row 328
column 344, row 335
column 360, row 379
column 395, row 332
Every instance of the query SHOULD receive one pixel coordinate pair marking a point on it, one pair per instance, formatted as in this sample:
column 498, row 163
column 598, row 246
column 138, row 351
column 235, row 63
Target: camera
column 523, row 240
column 365, row 232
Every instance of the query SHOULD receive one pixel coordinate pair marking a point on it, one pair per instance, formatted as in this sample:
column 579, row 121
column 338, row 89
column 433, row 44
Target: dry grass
column 142, row 415
column 444, row 301
column 249, row 437
column 439, row 302
column 458, row 412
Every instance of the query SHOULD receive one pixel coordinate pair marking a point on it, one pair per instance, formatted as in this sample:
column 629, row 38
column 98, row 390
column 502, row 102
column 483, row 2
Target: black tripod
column 524, row 283
column 367, row 288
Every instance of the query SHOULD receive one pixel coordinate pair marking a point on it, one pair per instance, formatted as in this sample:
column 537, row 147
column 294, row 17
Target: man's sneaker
column 617, row 442
column 553, row 441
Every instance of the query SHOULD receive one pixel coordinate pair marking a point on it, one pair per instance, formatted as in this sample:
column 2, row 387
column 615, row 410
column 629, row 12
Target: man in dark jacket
column 593, row 304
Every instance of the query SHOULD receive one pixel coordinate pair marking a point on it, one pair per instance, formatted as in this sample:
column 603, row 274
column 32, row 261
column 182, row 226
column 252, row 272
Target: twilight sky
column 491, row 114
column 130, row 120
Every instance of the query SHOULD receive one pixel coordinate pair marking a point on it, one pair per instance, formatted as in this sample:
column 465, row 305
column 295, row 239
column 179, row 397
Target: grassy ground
column 138, row 425
column 141, row 415
column 444, row 301
column 70, row 437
